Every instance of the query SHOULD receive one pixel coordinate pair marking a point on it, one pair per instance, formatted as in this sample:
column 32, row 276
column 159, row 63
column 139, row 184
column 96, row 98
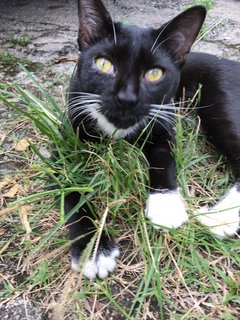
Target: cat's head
column 126, row 73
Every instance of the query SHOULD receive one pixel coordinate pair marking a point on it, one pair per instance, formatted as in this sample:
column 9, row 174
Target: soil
column 42, row 36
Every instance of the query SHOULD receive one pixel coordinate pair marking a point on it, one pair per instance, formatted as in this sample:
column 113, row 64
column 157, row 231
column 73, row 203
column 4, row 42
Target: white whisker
column 88, row 115
column 83, row 106
column 114, row 33
column 156, row 112
column 81, row 93
column 83, row 100
column 77, row 110
column 161, row 43
column 166, row 119
column 161, row 124
column 169, row 106
column 159, row 35
column 83, row 103
column 163, row 116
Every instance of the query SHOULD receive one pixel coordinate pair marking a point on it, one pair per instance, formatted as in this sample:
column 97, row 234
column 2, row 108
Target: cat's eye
column 154, row 75
column 104, row 65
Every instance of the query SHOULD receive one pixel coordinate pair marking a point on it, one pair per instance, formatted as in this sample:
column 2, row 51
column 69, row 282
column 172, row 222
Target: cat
column 125, row 77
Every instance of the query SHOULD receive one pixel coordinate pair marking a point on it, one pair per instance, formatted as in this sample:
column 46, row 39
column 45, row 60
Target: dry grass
column 183, row 274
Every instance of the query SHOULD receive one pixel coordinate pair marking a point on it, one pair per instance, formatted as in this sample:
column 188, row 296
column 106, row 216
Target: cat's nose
column 126, row 98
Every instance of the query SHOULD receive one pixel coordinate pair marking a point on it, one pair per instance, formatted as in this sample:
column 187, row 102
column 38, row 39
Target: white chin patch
column 223, row 218
column 109, row 129
column 100, row 267
column 166, row 209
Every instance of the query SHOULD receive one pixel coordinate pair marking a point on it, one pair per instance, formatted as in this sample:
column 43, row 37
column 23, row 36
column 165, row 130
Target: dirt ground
column 43, row 35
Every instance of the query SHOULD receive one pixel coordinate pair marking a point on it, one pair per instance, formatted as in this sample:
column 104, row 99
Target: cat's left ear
column 179, row 34
column 94, row 22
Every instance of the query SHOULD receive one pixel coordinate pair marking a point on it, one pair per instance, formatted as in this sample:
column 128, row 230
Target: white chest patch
column 223, row 219
column 109, row 129
column 100, row 267
column 166, row 209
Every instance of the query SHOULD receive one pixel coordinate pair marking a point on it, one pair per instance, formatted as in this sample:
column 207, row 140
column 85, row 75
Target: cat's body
column 220, row 94
column 127, row 78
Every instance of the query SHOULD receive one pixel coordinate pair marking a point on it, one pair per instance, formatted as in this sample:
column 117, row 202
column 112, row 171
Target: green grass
column 9, row 64
column 184, row 274
column 206, row 27
column 21, row 41
column 208, row 4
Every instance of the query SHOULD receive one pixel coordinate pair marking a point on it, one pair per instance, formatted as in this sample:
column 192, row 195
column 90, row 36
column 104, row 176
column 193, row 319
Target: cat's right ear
column 178, row 35
column 94, row 22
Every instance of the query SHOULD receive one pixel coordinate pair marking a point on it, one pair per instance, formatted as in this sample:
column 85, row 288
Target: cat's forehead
column 129, row 44
column 132, row 28
column 134, row 33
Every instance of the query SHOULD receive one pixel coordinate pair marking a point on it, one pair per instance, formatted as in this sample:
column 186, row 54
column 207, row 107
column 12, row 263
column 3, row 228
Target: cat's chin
column 121, row 129
column 116, row 127
column 123, row 123
column 125, row 126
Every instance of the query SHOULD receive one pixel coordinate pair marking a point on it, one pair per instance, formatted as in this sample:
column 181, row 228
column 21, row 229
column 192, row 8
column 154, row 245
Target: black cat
column 125, row 77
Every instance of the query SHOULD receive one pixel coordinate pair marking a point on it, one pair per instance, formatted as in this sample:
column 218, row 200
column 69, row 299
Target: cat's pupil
column 103, row 63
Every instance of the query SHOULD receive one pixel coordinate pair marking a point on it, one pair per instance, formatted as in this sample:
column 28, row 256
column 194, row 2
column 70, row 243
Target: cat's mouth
column 123, row 122
column 123, row 119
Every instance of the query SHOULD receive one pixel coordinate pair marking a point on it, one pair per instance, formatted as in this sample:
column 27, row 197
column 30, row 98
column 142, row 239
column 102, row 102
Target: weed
column 7, row 58
column 208, row 4
column 22, row 41
column 183, row 274
column 9, row 63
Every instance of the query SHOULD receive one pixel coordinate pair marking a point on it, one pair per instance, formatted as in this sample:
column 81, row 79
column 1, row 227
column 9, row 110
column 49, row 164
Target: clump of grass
column 206, row 28
column 9, row 63
column 7, row 58
column 22, row 41
column 208, row 4
column 184, row 274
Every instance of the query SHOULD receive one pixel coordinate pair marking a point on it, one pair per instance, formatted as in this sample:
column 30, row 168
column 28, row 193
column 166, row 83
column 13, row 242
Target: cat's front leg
column 81, row 231
column 165, row 207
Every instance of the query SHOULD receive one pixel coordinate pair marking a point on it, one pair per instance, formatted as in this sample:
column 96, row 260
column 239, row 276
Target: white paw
column 223, row 218
column 100, row 267
column 166, row 209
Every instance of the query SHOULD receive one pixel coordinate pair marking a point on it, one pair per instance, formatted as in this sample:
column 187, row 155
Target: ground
column 42, row 36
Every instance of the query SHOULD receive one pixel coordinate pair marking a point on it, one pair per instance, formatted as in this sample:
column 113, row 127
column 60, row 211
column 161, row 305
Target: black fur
column 220, row 80
column 126, row 96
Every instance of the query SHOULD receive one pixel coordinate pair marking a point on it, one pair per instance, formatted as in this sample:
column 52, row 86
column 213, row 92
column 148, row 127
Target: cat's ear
column 178, row 35
column 94, row 22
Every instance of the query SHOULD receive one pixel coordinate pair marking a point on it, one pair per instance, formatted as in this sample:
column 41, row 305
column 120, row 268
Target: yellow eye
column 153, row 75
column 104, row 65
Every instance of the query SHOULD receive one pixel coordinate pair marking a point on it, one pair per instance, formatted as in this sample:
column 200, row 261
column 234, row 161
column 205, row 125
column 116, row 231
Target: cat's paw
column 223, row 219
column 101, row 266
column 166, row 209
